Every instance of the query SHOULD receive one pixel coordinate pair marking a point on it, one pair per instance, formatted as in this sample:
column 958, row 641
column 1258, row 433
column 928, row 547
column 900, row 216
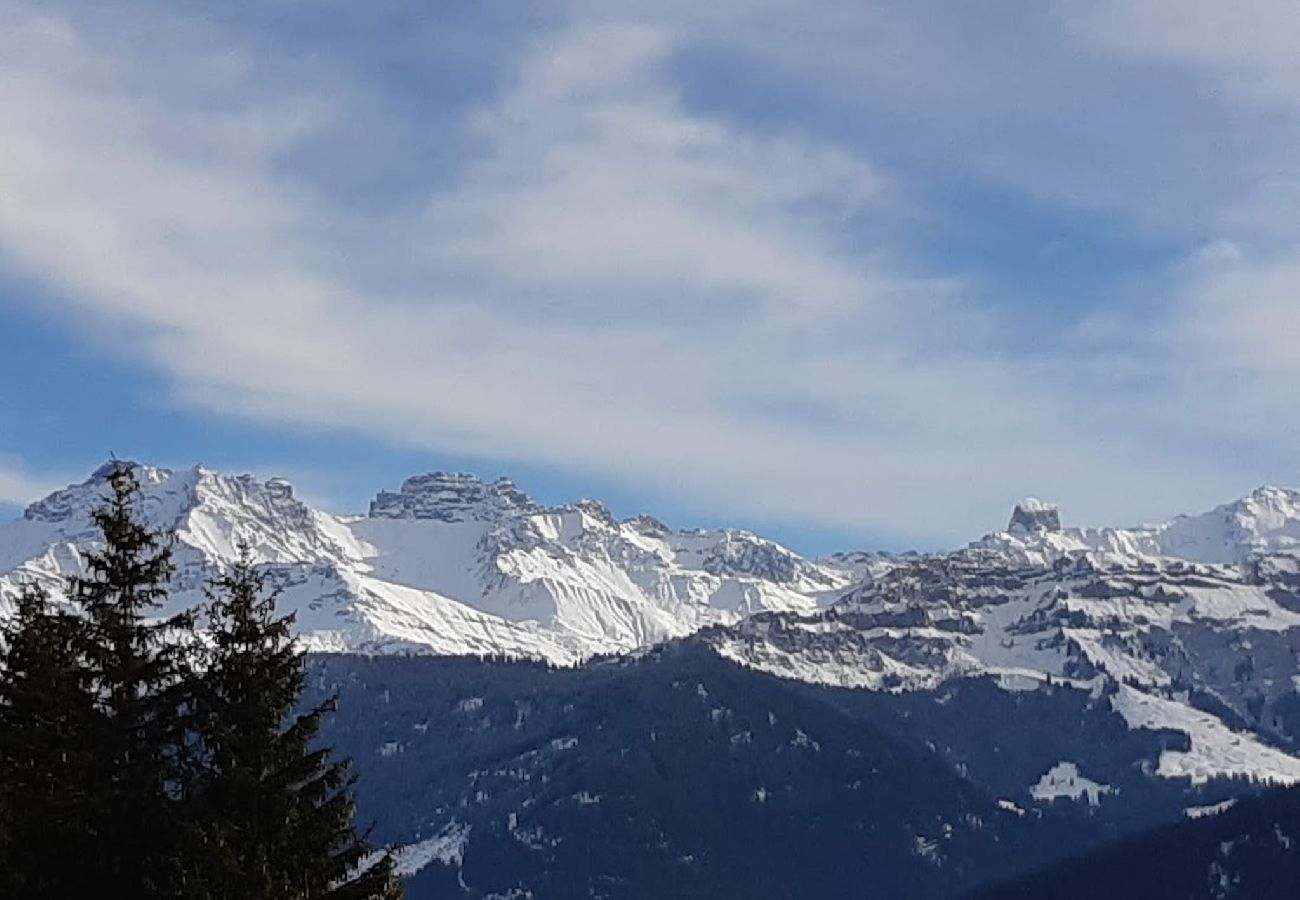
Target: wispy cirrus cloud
column 606, row 277
column 1233, row 304
column 19, row 485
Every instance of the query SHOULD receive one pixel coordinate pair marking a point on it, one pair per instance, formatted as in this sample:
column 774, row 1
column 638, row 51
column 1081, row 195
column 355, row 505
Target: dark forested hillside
column 1251, row 850
column 680, row 774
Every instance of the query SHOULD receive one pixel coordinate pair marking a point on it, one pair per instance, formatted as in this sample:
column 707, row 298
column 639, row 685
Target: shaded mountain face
column 672, row 774
column 1246, row 849
column 677, row 773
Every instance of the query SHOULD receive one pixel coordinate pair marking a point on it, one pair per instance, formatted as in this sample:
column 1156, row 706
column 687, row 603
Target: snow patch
column 1065, row 780
column 801, row 741
column 446, row 848
column 1216, row 750
column 1201, row 812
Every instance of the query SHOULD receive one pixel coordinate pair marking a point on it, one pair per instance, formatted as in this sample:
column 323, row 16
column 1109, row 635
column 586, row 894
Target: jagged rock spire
column 1032, row 514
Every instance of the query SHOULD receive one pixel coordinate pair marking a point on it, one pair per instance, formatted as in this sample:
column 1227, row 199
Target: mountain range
column 448, row 564
column 946, row 720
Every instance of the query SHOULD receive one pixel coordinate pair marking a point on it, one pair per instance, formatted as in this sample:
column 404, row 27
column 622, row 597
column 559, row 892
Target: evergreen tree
column 276, row 812
column 140, row 672
column 47, row 755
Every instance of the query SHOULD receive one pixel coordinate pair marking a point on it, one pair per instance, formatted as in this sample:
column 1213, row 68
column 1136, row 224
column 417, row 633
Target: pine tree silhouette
column 47, row 754
column 277, row 812
column 141, row 674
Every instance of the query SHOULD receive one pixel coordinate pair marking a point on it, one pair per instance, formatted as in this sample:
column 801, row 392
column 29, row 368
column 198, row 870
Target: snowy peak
column 75, row 502
column 1032, row 514
column 742, row 553
column 452, row 497
column 212, row 516
column 225, row 513
column 596, row 511
column 1265, row 521
column 648, row 526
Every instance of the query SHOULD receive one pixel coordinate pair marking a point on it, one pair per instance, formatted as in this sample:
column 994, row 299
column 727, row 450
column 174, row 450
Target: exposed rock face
column 1031, row 515
column 452, row 497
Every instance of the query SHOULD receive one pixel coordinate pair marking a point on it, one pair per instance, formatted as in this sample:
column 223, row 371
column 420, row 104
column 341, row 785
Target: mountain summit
column 1032, row 514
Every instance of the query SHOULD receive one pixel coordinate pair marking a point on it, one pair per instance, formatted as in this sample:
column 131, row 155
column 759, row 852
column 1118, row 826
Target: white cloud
column 1248, row 46
column 593, row 182
column 613, row 282
column 19, row 486
column 1234, row 305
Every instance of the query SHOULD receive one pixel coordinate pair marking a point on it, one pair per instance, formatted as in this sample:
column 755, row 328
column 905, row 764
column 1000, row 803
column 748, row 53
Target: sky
column 852, row 274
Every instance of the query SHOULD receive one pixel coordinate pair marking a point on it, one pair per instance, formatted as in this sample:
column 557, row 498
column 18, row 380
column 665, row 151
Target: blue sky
column 848, row 273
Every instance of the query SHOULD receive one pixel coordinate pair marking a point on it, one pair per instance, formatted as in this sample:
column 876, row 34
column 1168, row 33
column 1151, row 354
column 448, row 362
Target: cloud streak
column 19, row 486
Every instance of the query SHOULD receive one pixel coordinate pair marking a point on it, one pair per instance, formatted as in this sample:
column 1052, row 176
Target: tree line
column 151, row 757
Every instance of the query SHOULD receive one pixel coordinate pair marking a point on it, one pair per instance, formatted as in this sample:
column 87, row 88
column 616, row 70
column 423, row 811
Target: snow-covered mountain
column 452, row 564
column 1266, row 522
column 448, row 564
column 1125, row 674
column 1191, row 626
